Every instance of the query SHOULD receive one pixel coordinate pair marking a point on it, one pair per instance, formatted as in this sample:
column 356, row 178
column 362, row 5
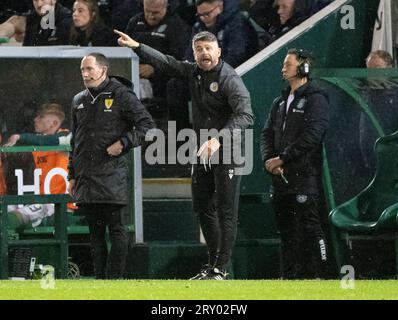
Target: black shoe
column 202, row 273
column 216, row 274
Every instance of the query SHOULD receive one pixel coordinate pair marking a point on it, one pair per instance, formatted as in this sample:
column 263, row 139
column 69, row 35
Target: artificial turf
column 198, row 290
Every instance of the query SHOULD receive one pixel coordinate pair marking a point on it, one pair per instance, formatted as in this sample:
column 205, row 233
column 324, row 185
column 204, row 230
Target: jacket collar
column 217, row 68
column 298, row 93
column 100, row 88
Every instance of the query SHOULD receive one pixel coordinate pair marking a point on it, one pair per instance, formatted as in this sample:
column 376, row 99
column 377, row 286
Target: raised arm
column 166, row 64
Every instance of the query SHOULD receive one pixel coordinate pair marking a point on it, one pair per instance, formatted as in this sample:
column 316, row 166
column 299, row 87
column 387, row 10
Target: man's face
column 376, row 62
column 207, row 54
column 93, row 74
column 46, row 124
column 289, row 69
column 155, row 11
column 285, row 10
column 208, row 12
column 43, row 6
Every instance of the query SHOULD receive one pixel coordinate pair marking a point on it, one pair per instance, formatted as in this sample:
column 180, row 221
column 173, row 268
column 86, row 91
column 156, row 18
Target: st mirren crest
column 108, row 103
column 214, row 87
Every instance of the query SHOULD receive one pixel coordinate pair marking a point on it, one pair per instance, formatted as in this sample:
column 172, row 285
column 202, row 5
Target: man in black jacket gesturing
column 220, row 101
column 291, row 150
column 107, row 121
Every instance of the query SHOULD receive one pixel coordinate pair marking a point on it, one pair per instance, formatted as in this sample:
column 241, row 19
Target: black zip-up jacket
column 299, row 144
column 35, row 35
column 220, row 99
column 101, row 117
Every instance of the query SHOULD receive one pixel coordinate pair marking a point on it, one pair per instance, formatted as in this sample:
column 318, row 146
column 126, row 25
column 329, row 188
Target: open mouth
column 206, row 60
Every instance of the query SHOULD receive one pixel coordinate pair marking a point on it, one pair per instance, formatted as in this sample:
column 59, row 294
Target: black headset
column 303, row 69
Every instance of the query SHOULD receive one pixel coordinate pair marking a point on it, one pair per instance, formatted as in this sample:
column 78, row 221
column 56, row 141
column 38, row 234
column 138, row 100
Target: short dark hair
column 100, row 59
column 204, row 36
column 302, row 55
column 383, row 55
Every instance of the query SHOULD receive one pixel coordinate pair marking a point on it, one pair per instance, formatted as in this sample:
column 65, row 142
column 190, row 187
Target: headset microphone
column 93, row 79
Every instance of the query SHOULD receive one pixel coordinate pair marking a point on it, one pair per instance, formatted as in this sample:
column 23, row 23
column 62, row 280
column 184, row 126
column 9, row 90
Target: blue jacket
column 236, row 37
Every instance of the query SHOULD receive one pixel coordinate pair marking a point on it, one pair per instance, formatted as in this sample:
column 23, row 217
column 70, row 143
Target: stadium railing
column 59, row 230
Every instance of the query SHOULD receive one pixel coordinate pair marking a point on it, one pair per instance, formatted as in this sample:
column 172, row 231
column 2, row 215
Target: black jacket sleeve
column 71, row 170
column 267, row 147
column 168, row 65
column 239, row 100
column 138, row 120
column 314, row 130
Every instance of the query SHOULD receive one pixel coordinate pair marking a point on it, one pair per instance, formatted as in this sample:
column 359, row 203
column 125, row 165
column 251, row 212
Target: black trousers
column 101, row 216
column 304, row 252
column 215, row 195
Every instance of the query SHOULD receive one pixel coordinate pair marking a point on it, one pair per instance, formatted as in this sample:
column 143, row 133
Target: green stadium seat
column 373, row 213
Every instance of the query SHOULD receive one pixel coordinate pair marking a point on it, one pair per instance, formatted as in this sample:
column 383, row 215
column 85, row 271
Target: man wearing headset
column 291, row 150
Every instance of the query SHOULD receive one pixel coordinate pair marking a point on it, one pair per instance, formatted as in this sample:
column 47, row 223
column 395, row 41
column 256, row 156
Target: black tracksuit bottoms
column 215, row 195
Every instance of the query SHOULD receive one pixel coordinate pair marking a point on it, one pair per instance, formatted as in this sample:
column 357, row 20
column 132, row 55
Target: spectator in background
column 160, row 29
column 383, row 101
column 122, row 11
column 168, row 33
column 379, row 59
column 236, row 36
column 47, row 123
column 87, row 28
column 291, row 13
column 36, row 29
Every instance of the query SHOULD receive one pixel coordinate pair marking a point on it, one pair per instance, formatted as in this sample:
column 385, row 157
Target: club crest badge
column 300, row 104
column 108, row 103
column 301, row 198
column 214, row 86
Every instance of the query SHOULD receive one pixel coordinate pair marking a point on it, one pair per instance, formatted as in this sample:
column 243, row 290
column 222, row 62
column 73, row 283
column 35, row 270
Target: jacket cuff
column 126, row 144
column 284, row 157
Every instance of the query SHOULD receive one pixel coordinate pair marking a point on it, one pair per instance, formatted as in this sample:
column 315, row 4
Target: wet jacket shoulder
column 35, row 35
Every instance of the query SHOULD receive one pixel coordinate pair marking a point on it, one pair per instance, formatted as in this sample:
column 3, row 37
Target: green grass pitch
column 198, row 290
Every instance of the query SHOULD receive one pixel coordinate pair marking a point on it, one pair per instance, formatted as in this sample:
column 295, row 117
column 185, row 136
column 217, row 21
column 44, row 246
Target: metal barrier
column 60, row 232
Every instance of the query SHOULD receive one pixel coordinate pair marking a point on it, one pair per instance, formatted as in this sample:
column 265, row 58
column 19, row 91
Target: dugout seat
column 373, row 213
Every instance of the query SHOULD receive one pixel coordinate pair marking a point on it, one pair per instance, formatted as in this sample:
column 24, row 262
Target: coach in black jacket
column 220, row 100
column 107, row 121
column 291, row 150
